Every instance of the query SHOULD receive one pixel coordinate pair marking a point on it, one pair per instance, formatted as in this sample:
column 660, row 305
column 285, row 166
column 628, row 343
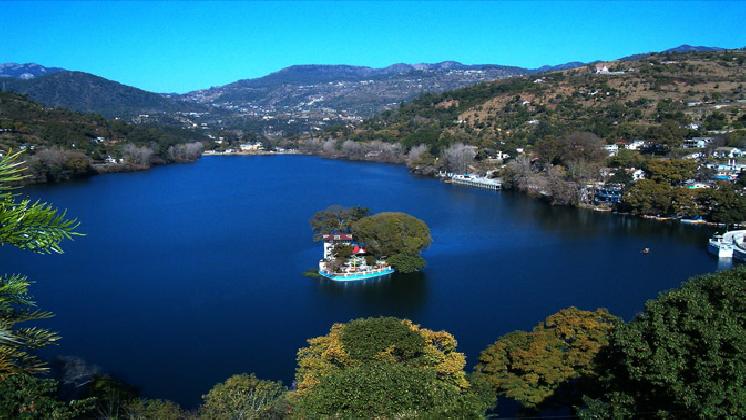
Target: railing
column 477, row 181
column 357, row 273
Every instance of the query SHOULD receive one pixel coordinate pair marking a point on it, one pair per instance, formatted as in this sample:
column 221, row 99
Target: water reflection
column 575, row 223
column 394, row 294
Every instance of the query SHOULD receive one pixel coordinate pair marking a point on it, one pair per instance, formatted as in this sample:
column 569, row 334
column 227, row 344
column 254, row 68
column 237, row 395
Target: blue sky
column 181, row 46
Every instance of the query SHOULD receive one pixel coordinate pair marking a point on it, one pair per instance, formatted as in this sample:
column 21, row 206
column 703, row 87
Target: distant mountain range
column 26, row 71
column 88, row 93
column 684, row 48
column 309, row 92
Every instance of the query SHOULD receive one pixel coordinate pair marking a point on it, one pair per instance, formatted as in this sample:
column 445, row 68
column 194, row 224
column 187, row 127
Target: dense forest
column 59, row 144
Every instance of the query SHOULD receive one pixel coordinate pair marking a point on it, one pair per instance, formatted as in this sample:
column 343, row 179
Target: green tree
column 530, row 366
column 684, row 356
column 38, row 227
column 671, row 171
column 23, row 396
column 145, row 409
column 399, row 236
column 336, row 218
column 18, row 344
column 243, row 396
column 385, row 367
column 648, row 197
column 724, row 204
column 34, row 226
column 111, row 395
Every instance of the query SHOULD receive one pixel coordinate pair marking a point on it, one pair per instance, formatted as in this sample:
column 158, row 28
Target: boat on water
column 693, row 221
column 728, row 245
column 362, row 274
column 344, row 260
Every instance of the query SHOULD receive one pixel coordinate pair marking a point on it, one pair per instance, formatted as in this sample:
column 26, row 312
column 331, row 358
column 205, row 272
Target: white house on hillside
column 727, row 152
column 612, row 149
column 636, row 145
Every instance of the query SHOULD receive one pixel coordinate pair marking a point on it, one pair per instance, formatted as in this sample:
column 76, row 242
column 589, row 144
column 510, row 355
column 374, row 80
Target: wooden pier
column 476, row 181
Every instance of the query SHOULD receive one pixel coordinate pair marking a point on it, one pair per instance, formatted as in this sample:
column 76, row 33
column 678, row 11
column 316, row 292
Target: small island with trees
column 359, row 246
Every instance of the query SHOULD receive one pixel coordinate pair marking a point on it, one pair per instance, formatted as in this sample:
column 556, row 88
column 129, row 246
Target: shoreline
column 296, row 152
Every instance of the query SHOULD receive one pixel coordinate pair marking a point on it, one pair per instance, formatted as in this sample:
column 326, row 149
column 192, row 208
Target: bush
column 685, row 355
column 385, row 367
column 243, row 396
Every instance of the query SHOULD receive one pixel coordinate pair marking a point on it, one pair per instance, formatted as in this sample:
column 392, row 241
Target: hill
column 85, row 92
column 655, row 97
column 60, row 143
column 26, row 71
column 344, row 90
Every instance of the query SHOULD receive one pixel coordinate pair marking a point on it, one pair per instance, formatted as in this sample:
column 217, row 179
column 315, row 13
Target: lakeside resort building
column 358, row 266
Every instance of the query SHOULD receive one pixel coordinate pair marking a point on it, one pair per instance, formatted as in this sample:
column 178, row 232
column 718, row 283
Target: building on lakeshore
column 345, row 260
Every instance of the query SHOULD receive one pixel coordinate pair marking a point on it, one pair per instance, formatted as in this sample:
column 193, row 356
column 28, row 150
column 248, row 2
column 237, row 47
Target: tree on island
column 336, row 218
column 386, row 368
column 397, row 236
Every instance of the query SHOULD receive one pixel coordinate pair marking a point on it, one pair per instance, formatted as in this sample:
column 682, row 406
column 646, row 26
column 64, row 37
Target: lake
column 190, row 273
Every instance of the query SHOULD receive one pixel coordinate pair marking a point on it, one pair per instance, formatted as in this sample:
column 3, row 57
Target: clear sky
column 182, row 46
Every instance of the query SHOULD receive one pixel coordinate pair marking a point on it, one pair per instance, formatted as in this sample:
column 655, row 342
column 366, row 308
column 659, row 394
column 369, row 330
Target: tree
column 144, row 409
column 671, row 171
column 111, row 395
column 34, row 226
column 37, row 227
column 684, row 356
column 724, row 205
column 648, row 197
column 18, row 345
column 669, row 133
column 573, row 148
column 458, row 157
column 243, row 396
column 530, row 366
column 336, row 218
column 23, row 396
column 385, row 367
column 138, row 155
column 399, row 236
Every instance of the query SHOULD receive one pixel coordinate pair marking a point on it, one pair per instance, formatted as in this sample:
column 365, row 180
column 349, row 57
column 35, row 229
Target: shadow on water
column 573, row 222
column 397, row 294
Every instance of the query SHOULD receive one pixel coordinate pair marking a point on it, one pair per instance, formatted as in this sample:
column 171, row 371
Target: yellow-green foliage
column 385, row 368
column 530, row 366
column 143, row 409
column 242, row 397
column 327, row 354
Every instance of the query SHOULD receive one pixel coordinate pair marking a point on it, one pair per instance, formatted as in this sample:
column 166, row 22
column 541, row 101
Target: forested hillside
column 59, row 143
column 583, row 136
column 655, row 97
column 85, row 92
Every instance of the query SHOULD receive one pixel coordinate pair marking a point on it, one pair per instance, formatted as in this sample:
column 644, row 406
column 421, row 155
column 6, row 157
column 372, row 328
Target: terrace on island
column 344, row 260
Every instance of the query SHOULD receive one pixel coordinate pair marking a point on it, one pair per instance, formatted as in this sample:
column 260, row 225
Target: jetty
column 476, row 181
column 728, row 245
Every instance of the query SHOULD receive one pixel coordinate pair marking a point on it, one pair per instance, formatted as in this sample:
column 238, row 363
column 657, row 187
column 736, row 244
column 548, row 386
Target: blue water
column 190, row 273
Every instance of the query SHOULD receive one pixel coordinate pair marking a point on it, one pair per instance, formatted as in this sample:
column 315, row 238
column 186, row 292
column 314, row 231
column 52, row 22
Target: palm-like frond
column 32, row 225
column 39, row 227
column 17, row 344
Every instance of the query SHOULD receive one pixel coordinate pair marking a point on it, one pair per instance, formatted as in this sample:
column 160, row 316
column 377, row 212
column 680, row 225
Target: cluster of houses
column 724, row 162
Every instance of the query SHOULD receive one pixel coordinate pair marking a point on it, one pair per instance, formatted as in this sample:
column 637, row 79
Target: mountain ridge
column 315, row 92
